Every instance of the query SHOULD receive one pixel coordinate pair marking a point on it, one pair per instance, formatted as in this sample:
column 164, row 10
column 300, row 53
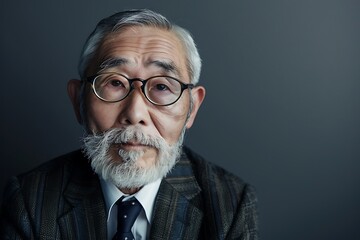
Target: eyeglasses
column 159, row 90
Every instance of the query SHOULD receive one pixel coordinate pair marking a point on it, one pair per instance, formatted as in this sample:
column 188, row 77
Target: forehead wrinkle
column 157, row 44
column 164, row 46
column 133, row 42
column 144, row 49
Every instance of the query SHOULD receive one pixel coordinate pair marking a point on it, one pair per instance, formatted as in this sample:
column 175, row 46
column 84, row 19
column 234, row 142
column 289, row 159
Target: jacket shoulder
column 36, row 193
column 230, row 204
column 215, row 178
column 51, row 169
column 50, row 174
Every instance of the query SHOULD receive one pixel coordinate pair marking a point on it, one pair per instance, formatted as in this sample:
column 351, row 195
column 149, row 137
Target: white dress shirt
column 146, row 196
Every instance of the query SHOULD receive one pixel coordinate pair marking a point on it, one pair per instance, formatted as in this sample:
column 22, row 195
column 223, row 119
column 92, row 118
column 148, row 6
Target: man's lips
column 132, row 146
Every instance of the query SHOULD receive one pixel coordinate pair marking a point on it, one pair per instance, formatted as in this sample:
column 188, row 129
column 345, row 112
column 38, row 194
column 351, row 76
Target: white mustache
column 133, row 135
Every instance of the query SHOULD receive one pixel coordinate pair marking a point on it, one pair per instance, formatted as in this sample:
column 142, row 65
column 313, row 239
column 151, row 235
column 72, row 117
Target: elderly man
column 133, row 179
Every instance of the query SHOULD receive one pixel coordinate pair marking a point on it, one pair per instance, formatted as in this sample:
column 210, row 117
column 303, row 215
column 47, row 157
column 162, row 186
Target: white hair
column 142, row 17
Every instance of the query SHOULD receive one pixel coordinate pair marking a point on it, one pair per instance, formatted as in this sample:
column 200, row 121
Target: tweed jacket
column 62, row 199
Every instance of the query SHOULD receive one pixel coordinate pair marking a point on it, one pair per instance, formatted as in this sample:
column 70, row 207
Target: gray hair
column 142, row 17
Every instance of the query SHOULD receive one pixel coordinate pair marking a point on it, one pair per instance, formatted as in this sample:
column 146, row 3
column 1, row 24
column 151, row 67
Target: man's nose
column 134, row 109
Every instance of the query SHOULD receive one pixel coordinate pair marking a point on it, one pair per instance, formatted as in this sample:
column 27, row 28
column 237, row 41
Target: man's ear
column 74, row 88
column 198, row 95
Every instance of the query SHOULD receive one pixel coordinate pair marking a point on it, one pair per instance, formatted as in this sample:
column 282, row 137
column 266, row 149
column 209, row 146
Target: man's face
column 141, row 52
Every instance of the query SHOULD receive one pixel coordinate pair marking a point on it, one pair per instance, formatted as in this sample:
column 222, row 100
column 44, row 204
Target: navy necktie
column 127, row 214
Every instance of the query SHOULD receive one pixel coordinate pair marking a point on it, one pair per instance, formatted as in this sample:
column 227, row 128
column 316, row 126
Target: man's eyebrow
column 112, row 62
column 168, row 67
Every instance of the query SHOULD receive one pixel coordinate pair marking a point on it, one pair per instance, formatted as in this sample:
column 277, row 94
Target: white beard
column 127, row 173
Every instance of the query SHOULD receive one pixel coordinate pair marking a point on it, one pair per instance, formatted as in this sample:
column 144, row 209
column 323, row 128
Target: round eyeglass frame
column 93, row 78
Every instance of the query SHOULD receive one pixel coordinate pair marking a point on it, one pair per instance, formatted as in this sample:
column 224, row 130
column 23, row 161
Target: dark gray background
column 282, row 104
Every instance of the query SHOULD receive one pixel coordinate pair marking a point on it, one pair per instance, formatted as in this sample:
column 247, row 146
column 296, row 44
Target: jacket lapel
column 177, row 210
column 84, row 209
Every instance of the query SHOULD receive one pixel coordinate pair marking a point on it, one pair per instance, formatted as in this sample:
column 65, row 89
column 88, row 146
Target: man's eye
column 161, row 87
column 116, row 83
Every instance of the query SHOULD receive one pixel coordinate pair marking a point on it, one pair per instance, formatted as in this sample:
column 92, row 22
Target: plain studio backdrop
column 281, row 111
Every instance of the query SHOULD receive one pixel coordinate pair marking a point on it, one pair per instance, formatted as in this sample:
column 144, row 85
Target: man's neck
column 130, row 191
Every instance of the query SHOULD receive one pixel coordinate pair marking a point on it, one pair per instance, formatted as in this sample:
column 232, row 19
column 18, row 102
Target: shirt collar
column 146, row 196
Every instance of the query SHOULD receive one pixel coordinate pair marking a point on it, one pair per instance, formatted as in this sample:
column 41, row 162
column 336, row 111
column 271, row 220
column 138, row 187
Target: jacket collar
column 177, row 211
